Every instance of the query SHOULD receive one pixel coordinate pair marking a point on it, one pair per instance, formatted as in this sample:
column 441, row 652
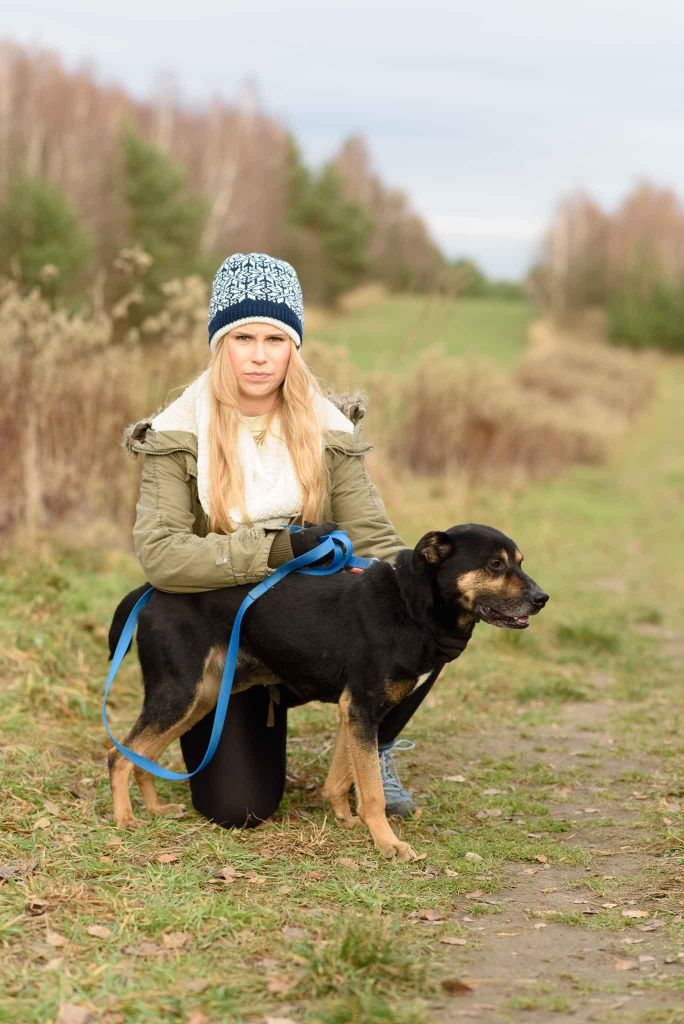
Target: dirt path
column 536, row 956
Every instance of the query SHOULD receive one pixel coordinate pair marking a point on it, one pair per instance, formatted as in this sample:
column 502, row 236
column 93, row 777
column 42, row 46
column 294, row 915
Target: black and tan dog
column 362, row 641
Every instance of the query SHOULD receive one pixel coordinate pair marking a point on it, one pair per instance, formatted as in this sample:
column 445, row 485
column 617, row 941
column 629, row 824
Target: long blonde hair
column 301, row 428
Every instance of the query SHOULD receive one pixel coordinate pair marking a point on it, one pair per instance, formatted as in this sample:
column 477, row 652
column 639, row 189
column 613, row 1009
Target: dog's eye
column 497, row 565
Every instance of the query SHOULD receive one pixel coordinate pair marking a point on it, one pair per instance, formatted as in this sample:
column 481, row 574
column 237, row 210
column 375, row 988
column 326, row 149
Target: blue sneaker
column 397, row 799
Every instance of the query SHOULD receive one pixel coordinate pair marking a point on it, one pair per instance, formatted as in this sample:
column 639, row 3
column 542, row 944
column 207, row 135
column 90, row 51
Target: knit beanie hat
column 255, row 286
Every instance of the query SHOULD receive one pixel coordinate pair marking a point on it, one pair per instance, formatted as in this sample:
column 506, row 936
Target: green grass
column 391, row 334
column 319, row 928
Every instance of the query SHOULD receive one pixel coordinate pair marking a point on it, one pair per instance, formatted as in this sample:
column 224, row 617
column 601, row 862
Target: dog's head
column 477, row 569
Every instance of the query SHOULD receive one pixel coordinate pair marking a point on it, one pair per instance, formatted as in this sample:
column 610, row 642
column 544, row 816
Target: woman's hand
column 309, row 537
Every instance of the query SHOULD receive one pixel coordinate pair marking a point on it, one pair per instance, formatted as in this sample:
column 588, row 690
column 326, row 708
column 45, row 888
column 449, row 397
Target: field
column 547, row 769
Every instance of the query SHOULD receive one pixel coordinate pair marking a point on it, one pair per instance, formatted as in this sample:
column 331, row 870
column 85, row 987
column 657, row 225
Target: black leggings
column 244, row 782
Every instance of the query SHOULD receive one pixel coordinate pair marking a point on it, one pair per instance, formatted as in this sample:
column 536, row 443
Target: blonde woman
column 251, row 446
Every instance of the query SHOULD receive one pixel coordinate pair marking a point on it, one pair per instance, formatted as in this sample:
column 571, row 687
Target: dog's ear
column 432, row 549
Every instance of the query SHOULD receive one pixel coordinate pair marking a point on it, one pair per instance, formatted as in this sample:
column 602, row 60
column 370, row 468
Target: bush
column 652, row 319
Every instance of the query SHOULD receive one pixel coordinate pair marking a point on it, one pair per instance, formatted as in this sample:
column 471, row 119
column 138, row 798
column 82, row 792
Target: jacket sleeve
column 358, row 508
column 176, row 560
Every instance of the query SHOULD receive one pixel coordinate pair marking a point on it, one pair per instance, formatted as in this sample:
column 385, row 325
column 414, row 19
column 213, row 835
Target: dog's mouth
column 496, row 618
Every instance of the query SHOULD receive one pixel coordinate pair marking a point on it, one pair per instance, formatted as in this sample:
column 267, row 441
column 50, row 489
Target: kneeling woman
column 250, row 446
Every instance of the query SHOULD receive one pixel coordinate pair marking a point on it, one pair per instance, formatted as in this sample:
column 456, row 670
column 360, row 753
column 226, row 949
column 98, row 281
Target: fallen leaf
column 42, row 823
column 37, row 906
column 195, row 984
column 277, row 985
column 636, row 913
column 175, row 940
column 229, row 873
column 167, row 858
column 644, row 959
column 279, row 1020
column 626, row 965
column 198, row 1017
column 291, row 932
column 454, row 778
column 489, row 812
column 430, row 914
column 541, row 924
column 55, row 939
column 650, row 926
column 50, row 807
column 609, row 906
column 455, row 987
column 71, row 1013
column 542, row 858
column 453, row 940
column 451, row 873
column 491, row 792
column 347, row 862
column 315, row 876
column 17, row 869
column 144, row 949
column 474, row 858
column 100, row 931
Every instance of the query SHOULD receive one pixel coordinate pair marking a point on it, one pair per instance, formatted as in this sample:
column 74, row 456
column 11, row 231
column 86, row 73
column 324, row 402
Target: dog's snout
column 539, row 599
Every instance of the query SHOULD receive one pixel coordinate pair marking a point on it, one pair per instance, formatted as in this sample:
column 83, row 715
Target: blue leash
column 337, row 543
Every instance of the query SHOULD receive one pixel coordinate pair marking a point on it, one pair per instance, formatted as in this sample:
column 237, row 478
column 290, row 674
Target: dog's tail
column 120, row 616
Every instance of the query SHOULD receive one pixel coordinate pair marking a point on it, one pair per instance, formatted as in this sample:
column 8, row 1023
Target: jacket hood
column 180, row 418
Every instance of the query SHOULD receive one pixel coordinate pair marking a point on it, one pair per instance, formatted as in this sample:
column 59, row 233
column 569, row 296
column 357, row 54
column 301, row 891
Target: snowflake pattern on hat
column 251, row 286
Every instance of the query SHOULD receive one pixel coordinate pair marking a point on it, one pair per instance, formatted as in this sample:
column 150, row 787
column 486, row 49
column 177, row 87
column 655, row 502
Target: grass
column 393, row 333
column 316, row 927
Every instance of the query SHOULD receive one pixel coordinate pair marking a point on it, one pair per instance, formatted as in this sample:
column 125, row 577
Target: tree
column 39, row 228
column 327, row 235
column 161, row 216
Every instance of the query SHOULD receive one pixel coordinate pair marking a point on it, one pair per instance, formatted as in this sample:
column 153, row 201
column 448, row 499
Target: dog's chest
column 397, row 690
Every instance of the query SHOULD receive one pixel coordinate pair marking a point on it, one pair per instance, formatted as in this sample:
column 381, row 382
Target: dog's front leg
column 362, row 744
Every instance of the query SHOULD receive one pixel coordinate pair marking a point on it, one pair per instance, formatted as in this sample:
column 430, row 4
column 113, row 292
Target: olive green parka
column 171, row 534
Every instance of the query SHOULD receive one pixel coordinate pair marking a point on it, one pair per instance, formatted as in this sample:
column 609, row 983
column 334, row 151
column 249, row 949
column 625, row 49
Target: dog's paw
column 398, row 851
column 130, row 822
column 169, row 810
column 348, row 821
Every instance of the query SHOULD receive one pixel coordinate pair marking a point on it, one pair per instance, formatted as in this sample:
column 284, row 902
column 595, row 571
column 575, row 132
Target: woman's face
column 259, row 354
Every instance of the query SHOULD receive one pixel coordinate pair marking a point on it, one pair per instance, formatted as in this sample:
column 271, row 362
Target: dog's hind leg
column 150, row 741
column 362, row 743
column 339, row 782
column 148, row 789
column 143, row 740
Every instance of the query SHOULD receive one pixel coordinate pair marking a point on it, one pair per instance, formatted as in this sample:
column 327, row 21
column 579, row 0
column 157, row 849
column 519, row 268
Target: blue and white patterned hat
column 255, row 286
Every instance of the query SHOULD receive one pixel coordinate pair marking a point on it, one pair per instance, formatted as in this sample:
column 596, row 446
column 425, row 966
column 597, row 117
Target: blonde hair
column 301, row 428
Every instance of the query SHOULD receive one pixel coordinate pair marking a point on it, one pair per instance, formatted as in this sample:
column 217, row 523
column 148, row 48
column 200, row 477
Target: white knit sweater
column 272, row 489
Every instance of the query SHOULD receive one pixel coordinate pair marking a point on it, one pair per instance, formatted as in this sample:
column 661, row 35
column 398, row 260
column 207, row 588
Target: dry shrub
column 466, row 415
column 68, row 393
column 331, row 365
column 360, row 298
column 579, row 369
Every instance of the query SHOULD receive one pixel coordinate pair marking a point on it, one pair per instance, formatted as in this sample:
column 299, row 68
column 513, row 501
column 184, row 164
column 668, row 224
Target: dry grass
column 566, row 402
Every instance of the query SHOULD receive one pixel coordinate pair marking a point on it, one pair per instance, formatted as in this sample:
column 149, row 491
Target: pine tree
column 39, row 228
column 162, row 216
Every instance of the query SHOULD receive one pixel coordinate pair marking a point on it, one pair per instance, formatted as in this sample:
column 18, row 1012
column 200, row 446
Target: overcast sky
column 484, row 112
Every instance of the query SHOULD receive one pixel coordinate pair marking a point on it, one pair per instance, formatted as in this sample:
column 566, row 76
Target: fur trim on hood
column 352, row 404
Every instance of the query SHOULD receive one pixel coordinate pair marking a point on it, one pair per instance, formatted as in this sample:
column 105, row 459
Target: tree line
column 86, row 171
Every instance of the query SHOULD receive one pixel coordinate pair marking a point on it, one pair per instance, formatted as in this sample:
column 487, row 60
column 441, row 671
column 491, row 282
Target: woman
column 208, row 519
